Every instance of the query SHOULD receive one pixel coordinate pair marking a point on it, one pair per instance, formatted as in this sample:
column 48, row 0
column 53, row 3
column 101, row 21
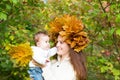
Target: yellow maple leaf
column 21, row 53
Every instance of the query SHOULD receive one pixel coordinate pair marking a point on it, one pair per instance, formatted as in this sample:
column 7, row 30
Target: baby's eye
column 47, row 41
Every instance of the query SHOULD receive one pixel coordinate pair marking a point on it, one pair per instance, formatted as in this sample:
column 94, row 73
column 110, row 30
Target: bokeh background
column 20, row 19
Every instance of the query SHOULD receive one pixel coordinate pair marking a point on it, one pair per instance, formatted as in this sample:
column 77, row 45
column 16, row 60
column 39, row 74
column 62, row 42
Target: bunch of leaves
column 72, row 31
column 21, row 53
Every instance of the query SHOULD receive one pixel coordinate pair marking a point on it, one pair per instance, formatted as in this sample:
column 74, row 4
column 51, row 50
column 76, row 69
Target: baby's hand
column 47, row 60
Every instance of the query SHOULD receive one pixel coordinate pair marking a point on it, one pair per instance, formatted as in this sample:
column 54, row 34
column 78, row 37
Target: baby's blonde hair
column 38, row 35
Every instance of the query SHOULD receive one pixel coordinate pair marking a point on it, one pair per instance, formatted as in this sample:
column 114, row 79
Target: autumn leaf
column 71, row 29
column 21, row 53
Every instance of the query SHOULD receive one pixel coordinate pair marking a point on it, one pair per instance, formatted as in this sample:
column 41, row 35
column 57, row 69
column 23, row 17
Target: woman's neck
column 63, row 57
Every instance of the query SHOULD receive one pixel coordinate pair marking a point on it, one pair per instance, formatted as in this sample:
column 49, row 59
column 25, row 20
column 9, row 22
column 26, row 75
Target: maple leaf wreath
column 71, row 29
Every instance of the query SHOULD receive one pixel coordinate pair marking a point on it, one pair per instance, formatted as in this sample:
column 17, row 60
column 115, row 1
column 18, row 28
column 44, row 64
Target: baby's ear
column 38, row 43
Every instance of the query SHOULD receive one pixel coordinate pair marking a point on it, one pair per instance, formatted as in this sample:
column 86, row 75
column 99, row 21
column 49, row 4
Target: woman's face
column 62, row 47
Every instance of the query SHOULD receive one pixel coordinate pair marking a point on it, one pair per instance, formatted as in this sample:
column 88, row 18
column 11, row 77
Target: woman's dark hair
column 78, row 62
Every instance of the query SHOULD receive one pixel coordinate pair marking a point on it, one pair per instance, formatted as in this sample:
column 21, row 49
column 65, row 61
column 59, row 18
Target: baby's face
column 44, row 42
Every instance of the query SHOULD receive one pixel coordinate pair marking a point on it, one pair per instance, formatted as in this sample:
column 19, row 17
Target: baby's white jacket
column 40, row 55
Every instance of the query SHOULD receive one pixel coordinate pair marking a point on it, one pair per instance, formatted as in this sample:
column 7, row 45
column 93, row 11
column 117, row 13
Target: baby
column 41, row 54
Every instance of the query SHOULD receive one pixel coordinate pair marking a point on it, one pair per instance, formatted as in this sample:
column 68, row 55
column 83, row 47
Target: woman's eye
column 61, row 42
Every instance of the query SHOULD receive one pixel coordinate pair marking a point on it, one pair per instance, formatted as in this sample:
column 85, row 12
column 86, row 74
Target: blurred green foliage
column 20, row 19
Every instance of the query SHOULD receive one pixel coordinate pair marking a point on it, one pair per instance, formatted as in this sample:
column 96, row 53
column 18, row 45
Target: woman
column 71, row 40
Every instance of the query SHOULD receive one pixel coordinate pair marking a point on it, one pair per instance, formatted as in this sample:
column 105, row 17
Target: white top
column 40, row 55
column 59, row 71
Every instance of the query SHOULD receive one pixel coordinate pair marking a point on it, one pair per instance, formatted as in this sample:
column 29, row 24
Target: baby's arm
column 52, row 51
column 38, row 57
column 37, row 64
